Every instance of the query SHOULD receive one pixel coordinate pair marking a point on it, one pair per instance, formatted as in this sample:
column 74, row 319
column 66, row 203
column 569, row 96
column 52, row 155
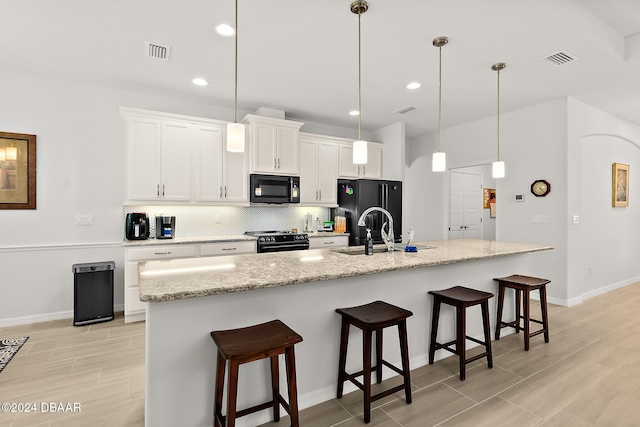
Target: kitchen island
column 191, row 297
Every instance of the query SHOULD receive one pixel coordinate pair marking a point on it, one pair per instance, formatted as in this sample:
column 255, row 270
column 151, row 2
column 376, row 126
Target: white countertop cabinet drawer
column 161, row 252
column 227, row 248
column 328, row 242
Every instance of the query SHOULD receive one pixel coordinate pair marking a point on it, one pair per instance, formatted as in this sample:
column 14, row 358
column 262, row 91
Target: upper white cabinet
column 274, row 145
column 372, row 169
column 181, row 159
column 318, row 170
column 219, row 175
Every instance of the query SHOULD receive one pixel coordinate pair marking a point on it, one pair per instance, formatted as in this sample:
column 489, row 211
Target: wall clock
column 540, row 188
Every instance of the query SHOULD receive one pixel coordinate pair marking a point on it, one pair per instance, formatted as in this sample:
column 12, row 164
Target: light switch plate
column 575, row 219
column 84, row 219
column 519, row 197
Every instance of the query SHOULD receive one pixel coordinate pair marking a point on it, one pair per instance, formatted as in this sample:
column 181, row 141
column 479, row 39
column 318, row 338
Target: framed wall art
column 17, row 171
column 488, row 197
column 620, row 187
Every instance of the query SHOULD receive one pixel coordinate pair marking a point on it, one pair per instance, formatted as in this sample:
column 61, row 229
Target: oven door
column 282, row 246
column 274, row 189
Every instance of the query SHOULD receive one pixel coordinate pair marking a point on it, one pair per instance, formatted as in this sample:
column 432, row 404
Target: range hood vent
column 405, row 110
column 560, row 58
column 158, row 51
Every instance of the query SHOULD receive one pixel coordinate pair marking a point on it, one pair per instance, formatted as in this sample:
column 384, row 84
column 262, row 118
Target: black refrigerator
column 357, row 195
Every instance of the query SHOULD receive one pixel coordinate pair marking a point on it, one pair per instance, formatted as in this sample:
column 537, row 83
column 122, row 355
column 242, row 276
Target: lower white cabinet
column 328, row 241
column 134, row 309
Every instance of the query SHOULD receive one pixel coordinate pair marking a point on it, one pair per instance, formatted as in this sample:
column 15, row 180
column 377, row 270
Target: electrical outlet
column 575, row 219
column 543, row 219
column 84, row 219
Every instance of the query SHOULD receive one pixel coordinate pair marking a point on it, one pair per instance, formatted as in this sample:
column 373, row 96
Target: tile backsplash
column 224, row 220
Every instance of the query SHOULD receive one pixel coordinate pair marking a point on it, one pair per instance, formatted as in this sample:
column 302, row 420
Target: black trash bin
column 93, row 292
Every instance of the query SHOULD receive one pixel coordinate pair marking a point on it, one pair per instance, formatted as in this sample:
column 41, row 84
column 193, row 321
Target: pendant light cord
column 498, row 115
column 235, row 96
column 440, row 100
column 359, row 81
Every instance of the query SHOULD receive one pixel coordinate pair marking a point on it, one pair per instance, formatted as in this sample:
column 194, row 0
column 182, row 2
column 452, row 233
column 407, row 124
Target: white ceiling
column 301, row 56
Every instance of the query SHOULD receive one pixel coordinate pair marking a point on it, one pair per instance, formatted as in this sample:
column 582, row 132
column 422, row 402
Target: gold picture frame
column 620, row 185
column 488, row 194
column 17, row 171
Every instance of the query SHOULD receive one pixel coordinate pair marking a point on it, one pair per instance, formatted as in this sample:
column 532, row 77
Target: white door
column 346, row 168
column 209, row 146
column 288, row 143
column 465, row 206
column 236, row 178
column 327, row 172
column 143, row 159
column 308, row 171
column 177, row 143
column 264, row 148
column 373, row 168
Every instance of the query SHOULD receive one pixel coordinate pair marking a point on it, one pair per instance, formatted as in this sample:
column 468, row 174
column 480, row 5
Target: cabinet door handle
column 320, row 191
column 162, row 253
column 364, row 170
column 278, row 163
column 359, row 170
column 221, row 192
column 225, row 191
column 329, row 243
column 316, row 194
column 162, row 190
column 229, row 249
column 275, row 164
column 158, row 190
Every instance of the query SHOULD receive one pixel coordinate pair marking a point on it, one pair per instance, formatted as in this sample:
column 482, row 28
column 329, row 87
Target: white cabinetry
column 328, row 241
column 372, row 169
column 274, row 145
column 219, row 175
column 181, row 159
column 134, row 309
column 318, row 170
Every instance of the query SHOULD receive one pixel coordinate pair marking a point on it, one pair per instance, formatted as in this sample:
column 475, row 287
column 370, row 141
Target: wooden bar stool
column 523, row 286
column 461, row 298
column 245, row 345
column 372, row 317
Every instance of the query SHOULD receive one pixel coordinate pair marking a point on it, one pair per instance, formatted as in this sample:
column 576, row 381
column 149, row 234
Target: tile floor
column 588, row 375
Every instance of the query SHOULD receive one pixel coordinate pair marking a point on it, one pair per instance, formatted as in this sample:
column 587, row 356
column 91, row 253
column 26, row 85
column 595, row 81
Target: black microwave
column 274, row 189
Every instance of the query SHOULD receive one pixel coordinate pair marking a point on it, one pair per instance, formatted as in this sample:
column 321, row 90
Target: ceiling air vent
column 404, row 110
column 560, row 58
column 157, row 51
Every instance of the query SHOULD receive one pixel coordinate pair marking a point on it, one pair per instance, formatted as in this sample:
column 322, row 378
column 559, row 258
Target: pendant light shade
column 235, row 137
column 497, row 170
column 235, row 130
column 439, row 162
column 359, row 146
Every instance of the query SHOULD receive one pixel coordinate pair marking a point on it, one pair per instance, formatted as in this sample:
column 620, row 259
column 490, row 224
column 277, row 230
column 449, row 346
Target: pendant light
column 235, row 130
column 439, row 161
column 359, row 146
column 497, row 170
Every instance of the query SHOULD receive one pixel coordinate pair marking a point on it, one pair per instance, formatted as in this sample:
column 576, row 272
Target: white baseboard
column 609, row 288
column 46, row 317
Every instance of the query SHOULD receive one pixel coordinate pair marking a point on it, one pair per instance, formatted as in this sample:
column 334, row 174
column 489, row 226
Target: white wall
column 533, row 146
column 606, row 238
column 80, row 170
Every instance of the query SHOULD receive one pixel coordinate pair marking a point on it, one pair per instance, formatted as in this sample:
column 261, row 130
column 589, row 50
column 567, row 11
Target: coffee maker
column 165, row 227
column 137, row 226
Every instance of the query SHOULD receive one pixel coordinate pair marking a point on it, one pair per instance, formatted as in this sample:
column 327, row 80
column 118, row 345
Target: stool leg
column 379, row 355
column 344, row 339
column 518, row 313
column 217, row 408
column 275, row 387
column 404, row 353
column 232, row 394
column 366, row 358
column 461, row 342
column 434, row 328
column 525, row 308
column 545, row 314
column 500, row 306
column 290, row 359
column 487, row 332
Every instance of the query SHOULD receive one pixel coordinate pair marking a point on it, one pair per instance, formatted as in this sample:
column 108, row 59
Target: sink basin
column 379, row 249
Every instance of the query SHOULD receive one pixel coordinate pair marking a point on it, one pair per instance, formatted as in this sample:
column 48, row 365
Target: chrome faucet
column 389, row 239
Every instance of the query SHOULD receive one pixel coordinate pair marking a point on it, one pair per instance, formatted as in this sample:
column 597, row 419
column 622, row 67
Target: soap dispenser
column 368, row 243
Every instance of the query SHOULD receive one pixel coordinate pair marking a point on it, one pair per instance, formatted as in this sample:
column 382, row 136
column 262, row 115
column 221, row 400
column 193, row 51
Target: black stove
column 276, row 241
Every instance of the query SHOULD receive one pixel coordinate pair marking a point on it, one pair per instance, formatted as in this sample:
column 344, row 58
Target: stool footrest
column 393, row 368
column 476, row 357
column 387, row 392
column 253, row 409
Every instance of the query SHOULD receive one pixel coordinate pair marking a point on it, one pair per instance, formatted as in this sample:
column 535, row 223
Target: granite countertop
column 188, row 240
column 198, row 277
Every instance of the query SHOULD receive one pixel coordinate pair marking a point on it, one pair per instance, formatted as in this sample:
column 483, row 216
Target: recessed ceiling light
column 354, row 113
column 200, row 82
column 225, row 30
column 413, row 85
